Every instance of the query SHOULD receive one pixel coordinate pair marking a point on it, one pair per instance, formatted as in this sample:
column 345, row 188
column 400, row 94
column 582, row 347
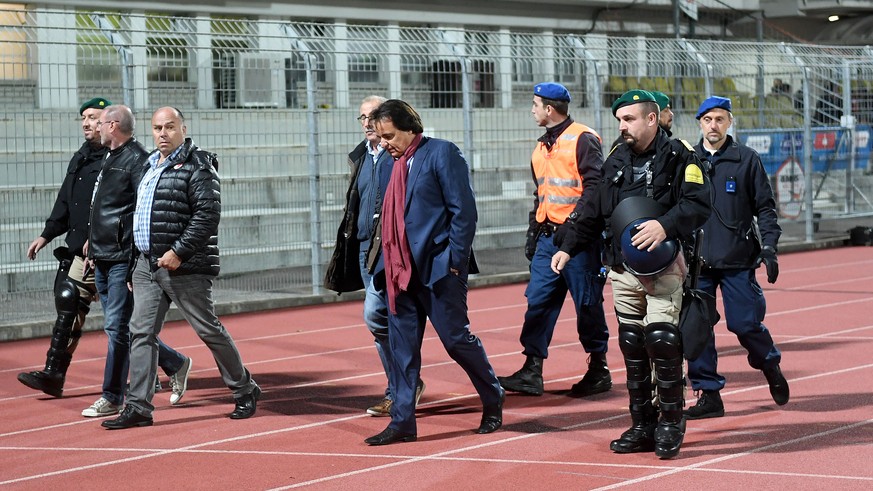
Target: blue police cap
column 713, row 102
column 552, row 90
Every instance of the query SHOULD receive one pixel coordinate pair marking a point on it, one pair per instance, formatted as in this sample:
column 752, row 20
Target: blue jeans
column 110, row 279
column 376, row 318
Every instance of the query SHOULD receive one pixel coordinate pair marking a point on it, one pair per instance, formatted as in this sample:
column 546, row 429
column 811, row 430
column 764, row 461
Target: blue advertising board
column 830, row 148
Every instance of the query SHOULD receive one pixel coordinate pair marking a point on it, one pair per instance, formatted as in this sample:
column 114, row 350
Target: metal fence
column 276, row 100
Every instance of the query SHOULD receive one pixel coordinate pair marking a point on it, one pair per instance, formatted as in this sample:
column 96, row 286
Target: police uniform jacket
column 741, row 192
column 344, row 271
column 72, row 207
column 111, row 232
column 678, row 184
column 186, row 211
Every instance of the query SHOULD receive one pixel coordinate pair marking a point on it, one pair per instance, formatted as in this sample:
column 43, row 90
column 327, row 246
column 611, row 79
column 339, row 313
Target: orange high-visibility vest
column 559, row 184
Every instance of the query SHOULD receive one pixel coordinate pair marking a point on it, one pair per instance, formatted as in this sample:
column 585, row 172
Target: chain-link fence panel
column 277, row 102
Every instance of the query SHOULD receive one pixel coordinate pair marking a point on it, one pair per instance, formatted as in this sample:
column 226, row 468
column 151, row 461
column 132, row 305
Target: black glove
column 768, row 257
column 530, row 245
column 560, row 234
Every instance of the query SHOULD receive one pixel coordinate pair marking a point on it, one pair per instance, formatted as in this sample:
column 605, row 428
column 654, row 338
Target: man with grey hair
column 358, row 241
column 109, row 249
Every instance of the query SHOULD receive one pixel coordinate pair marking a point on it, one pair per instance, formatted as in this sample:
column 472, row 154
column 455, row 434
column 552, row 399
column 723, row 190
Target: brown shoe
column 383, row 408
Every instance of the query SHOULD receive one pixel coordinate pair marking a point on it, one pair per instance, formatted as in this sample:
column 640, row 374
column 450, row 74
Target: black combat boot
column 709, row 405
column 528, row 380
column 596, row 379
column 778, row 384
column 669, row 434
column 640, row 437
column 65, row 337
column 51, row 379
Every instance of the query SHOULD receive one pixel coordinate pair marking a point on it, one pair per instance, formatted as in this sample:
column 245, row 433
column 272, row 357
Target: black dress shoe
column 246, row 405
column 388, row 436
column 129, row 418
column 492, row 416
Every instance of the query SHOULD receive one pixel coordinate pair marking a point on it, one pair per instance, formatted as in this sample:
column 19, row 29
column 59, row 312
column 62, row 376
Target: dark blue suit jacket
column 440, row 211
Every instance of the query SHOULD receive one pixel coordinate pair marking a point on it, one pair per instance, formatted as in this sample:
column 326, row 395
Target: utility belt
column 547, row 229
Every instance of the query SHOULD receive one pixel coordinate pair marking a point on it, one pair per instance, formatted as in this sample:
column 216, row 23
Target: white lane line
column 724, row 458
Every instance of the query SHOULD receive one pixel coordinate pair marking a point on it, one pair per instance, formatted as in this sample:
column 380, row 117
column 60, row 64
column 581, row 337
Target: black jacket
column 111, row 235
column 730, row 238
column 344, row 270
column 686, row 201
column 70, row 213
column 186, row 211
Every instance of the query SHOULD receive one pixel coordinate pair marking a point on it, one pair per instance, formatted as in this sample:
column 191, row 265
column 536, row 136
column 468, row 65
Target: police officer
column 73, row 290
column 566, row 165
column 733, row 249
column 665, row 117
column 663, row 182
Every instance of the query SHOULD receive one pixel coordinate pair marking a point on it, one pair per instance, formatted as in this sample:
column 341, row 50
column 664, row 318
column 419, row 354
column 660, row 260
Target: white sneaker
column 179, row 382
column 101, row 408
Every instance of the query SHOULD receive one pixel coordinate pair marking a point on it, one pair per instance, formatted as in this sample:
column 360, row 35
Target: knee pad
column 67, row 297
column 664, row 345
column 663, row 341
column 61, row 275
column 632, row 342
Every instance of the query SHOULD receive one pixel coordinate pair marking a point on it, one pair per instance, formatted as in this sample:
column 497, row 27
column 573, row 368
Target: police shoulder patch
column 687, row 145
column 693, row 174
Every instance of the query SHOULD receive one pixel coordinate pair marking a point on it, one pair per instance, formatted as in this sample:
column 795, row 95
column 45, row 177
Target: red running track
column 319, row 370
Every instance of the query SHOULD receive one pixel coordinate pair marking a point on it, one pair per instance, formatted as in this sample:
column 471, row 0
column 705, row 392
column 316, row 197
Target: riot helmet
column 628, row 215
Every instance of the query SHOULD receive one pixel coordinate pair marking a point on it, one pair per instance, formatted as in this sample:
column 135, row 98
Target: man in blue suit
column 428, row 224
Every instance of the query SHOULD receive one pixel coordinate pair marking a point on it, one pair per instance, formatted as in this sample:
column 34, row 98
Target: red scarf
column 395, row 247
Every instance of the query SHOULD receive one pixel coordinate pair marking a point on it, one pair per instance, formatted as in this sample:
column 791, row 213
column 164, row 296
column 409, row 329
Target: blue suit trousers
column 445, row 303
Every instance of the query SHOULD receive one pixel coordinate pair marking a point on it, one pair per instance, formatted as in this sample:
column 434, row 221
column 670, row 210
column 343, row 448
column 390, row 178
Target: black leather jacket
column 111, row 235
column 185, row 212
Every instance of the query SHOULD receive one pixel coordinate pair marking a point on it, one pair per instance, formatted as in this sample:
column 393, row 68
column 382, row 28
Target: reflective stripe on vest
column 559, row 184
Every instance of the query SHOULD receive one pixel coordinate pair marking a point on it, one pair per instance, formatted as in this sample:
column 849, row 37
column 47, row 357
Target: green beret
column 634, row 96
column 95, row 103
column 662, row 99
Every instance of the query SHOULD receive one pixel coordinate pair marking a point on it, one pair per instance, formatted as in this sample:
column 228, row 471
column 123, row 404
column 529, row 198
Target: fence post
column 591, row 65
column 314, row 176
column 466, row 97
column 126, row 56
column 807, row 141
column 848, row 122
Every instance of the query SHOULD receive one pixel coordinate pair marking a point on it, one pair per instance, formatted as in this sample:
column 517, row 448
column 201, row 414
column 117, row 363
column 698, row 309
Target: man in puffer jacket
column 175, row 231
